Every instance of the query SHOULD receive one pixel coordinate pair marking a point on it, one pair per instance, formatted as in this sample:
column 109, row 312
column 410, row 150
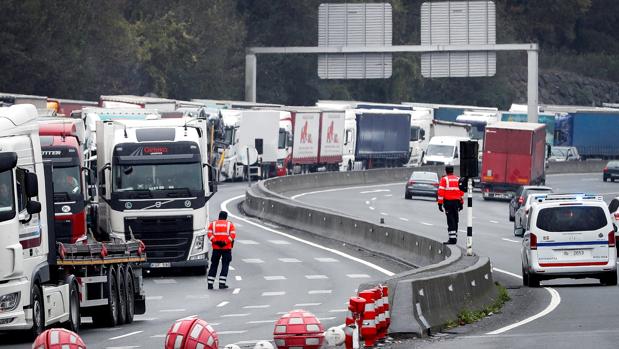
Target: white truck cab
column 443, row 150
column 569, row 236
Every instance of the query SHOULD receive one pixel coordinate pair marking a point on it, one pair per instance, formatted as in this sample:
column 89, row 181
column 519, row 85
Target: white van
column 443, row 150
column 569, row 236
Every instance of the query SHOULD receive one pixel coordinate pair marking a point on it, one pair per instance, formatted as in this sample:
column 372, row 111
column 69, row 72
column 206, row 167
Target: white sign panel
column 355, row 25
column 458, row 23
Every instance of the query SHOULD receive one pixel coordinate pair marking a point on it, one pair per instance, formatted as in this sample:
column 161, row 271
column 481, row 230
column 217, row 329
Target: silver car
column 422, row 184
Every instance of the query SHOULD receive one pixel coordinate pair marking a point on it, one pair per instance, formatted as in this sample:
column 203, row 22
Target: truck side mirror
column 422, row 134
column 32, row 185
column 102, row 178
column 90, row 178
column 212, row 180
column 258, row 143
column 33, row 207
column 8, row 161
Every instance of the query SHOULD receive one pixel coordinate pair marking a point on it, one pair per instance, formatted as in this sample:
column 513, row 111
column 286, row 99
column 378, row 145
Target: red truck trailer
column 514, row 155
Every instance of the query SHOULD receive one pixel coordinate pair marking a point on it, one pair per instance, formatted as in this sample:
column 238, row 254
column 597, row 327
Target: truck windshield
column 229, row 135
column 153, row 177
column 571, row 218
column 440, row 150
column 7, row 196
column 559, row 152
column 67, row 180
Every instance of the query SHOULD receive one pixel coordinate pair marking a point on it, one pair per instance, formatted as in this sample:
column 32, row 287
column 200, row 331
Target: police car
column 569, row 236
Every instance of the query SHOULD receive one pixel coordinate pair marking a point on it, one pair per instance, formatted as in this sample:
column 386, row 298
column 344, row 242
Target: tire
column 610, row 279
column 75, row 319
column 122, row 296
column 408, row 196
column 107, row 315
column 525, row 277
column 130, row 286
column 38, row 312
column 534, row 280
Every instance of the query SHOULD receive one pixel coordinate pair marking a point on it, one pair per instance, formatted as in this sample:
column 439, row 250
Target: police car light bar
column 570, row 196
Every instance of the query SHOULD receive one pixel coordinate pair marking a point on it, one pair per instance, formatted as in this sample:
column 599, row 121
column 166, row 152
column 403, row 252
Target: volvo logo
column 187, row 203
column 158, row 204
column 128, row 205
column 66, row 209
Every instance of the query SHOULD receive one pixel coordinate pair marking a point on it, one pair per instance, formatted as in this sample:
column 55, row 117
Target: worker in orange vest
column 221, row 233
column 450, row 197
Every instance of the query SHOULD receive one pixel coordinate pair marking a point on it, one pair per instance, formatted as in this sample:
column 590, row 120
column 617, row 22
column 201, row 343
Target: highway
column 272, row 274
column 565, row 313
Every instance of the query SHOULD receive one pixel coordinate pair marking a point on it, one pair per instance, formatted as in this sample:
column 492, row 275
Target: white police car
column 569, row 236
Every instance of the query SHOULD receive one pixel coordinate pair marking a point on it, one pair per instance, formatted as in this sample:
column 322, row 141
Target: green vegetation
column 467, row 316
column 196, row 49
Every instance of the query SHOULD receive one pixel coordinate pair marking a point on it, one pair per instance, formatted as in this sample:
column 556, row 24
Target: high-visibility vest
column 221, row 230
column 448, row 189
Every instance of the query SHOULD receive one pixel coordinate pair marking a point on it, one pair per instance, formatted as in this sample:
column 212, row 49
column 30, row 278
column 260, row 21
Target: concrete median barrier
column 589, row 166
column 449, row 281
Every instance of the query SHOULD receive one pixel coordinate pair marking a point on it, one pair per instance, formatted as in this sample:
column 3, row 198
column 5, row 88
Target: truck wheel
column 122, row 296
column 108, row 314
column 75, row 319
column 130, row 293
column 38, row 312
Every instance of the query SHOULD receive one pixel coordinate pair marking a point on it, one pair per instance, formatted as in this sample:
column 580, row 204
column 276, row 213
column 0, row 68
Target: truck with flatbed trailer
column 44, row 282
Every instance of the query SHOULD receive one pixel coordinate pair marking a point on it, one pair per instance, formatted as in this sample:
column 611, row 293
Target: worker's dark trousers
column 451, row 211
column 226, row 258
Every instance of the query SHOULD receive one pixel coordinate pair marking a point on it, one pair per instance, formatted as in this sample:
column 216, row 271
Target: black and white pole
column 469, row 217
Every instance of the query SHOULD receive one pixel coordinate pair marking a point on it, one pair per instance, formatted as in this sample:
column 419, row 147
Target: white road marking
column 495, row 222
column 326, row 318
column 294, row 197
column 230, row 332
column 555, row 300
column 358, row 276
column 279, row 242
column 374, row 191
column 236, row 291
column 274, row 277
column 140, row 318
column 253, row 260
column 247, row 242
column 307, row 304
column 172, row 310
column 261, row 322
column 224, row 206
column 371, row 208
column 510, row 240
column 316, row 277
column 125, row 335
column 263, row 306
column 197, row 296
column 289, row 260
column 367, row 202
column 273, row 293
column 238, row 278
column 236, row 315
column 164, row 281
column 462, row 231
column 429, row 224
column 232, row 268
column 159, row 336
column 388, row 195
column 404, row 219
column 319, row 292
column 373, row 199
column 384, row 213
column 326, row 260
column 154, row 298
column 222, row 304
column 338, row 310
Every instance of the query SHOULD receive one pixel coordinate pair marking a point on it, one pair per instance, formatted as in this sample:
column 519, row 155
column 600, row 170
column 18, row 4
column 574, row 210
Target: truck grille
column 434, row 163
column 167, row 239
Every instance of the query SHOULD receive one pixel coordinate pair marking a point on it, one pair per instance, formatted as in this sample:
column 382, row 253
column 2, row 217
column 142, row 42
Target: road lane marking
column 197, row 296
column 510, row 240
column 274, row 277
column 222, row 304
column 236, row 315
column 373, row 199
column 125, row 335
column 338, row 310
column 248, row 242
column 238, row 278
column 388, row 195
column 428, row 224
column 236, row 291
column 307, row 304
column 462, row 231
column 555, row 300
column 172, row 310
column 279, row 242
column 319, row 291
column 374, row 191
column 154, row 298
column 253, row 260
column 262, row 306
column 495, row 222
column 367, row 202
column 358, row 276
column 164, row 281
column 316, row 277
column 220, row 333
column 224, row 207
column 404, row 219
column 371, row 208
column 294, row 197
column 326, row 318
column 384, row 213
column 273, row 293
column 261, row 322
column 232, row 268
column 159, row 336
column 289, row 260
column 326, row 260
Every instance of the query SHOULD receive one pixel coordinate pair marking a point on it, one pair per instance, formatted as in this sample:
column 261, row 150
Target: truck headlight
column 199, row 244
column 9, row 302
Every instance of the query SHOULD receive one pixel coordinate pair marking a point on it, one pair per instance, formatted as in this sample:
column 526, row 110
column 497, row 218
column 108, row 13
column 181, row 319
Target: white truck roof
column 512, row 125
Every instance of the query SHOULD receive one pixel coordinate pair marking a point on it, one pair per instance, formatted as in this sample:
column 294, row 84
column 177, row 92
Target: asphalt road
column 272, row 274
column 581, row 313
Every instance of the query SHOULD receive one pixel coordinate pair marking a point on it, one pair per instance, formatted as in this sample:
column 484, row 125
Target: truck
column 518, row 113
column 44, row 282
column 129, row 101
column 62, row 142
column 443, row 150
column 514, row 155
column 449, row 112
column 65, row 107
column 592, row 131
column 316, row 139
column 253, row 130
column 154, row 182
column 375, row 138
column 8, row 99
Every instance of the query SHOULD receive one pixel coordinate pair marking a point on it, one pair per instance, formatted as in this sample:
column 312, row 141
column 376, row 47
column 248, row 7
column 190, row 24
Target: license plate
column 160, row 265
column 573, row 253
column 502, row 196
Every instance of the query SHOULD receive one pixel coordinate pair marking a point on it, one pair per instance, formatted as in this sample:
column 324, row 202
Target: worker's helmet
column 449, row 169
column 58, row 338
column 191, row 333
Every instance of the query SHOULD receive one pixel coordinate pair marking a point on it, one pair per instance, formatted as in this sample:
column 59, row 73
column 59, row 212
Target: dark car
column 611, row 171
column 422, row 184
column 521, row 196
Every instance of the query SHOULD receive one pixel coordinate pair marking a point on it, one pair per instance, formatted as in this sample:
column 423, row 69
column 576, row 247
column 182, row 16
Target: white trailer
column 154, row 184
column 42, row 283
column 162, row 105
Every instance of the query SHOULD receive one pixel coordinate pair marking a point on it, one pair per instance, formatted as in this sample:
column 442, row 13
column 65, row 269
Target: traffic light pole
column 469, row 217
